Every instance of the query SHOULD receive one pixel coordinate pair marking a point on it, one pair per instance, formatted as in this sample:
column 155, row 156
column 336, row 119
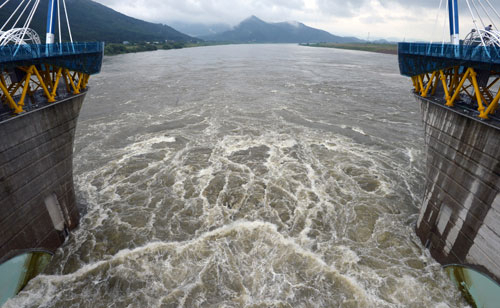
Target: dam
column 42, row 88
column 456, row 85
column 251, row 176
column 462, row 152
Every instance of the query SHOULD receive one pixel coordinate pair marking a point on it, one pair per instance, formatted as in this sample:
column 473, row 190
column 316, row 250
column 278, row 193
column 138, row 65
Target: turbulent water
column 247, row 176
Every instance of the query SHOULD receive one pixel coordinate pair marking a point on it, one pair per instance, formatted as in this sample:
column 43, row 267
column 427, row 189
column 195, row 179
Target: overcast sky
column 395, row 19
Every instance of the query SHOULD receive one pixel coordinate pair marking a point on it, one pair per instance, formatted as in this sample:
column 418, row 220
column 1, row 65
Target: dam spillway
column 265, row 183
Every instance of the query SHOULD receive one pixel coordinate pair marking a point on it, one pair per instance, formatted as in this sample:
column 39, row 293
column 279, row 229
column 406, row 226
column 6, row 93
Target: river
column 247, row 176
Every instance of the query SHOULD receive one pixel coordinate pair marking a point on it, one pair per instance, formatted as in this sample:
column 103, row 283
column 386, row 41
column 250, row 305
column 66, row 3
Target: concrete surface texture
column 36, row 178
column 460, row 216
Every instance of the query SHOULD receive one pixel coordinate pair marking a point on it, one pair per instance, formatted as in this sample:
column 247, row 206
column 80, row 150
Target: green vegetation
column 116, row 49
column 380, row 48
column 91, row 21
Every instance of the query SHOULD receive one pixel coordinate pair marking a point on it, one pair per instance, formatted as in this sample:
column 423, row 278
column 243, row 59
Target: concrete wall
column 460, row 216
column 36, row 157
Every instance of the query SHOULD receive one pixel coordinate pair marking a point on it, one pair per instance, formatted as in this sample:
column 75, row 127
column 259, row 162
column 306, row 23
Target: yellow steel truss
column 456, row 82
column 45, row 77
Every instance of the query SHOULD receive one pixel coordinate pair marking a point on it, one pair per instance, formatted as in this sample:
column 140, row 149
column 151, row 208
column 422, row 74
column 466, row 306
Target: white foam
column 358, row 130
column 297, row 201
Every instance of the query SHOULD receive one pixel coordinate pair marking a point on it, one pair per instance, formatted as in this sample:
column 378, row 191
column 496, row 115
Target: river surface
column 247, row 176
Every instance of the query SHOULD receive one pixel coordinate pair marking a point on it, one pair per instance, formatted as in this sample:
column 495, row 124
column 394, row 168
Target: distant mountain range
column 199, row 29
column 91, row 21
column 255, row 30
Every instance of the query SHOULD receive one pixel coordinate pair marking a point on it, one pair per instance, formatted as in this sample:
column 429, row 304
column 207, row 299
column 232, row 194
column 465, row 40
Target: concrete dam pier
column 42, row 90
column 457, row 88
column 39, row 109
column 37, row 198
column 459, row 218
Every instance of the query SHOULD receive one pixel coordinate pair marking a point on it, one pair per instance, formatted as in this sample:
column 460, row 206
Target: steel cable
column 22, row 13
column 12, row 15
column 477, row 29
column 478, row 14
column 486, row 11
column 437, row 18
column 6, row 1
column 67, row 21
column 491, row 6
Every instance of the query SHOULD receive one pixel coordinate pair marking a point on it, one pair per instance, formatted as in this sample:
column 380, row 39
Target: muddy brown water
column 247, row 176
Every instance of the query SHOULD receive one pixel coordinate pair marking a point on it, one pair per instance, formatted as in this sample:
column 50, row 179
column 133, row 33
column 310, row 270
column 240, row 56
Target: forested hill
column 91, row 21
column 255, row 30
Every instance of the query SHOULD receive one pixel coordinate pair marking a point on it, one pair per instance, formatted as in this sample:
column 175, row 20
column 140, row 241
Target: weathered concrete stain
column 36, row 158
column 459, row 219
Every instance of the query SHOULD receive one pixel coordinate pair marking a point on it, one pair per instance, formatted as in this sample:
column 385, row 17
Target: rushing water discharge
column 247, row 176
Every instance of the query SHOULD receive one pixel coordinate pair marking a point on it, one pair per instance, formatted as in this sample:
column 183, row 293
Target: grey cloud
column 234, row 10
column 206, row 10
column 421, row 6
column 340, row 8
column 336, row 16
column 373, row 19
column 430, row 6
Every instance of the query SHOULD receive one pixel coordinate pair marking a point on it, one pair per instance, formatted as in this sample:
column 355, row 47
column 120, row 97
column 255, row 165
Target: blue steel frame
column 421, row 58
column 453, row 10
column 81, row 57
column 51, row 16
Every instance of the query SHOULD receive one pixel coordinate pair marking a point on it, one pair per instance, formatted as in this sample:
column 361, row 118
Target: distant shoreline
column 113, row 49
column 391, row 49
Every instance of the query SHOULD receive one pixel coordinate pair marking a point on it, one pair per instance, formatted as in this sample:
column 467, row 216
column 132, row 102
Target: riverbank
column 117, row 49
column 379, row 48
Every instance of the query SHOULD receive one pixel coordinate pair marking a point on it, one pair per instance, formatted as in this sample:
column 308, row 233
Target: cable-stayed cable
column 12, row 15
column 6, row 1
column 487, row 14
column 22, row 13
column 478, row 14
column 67, row 21
column 436, row 21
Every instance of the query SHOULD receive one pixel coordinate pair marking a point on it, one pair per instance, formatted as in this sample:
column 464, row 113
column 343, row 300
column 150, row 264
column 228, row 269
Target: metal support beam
column 454, row 84
column 48, row 77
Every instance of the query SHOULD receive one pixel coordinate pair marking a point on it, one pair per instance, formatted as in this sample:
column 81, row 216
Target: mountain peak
column 294, row 23
column 253, row 18
column 255, row 30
